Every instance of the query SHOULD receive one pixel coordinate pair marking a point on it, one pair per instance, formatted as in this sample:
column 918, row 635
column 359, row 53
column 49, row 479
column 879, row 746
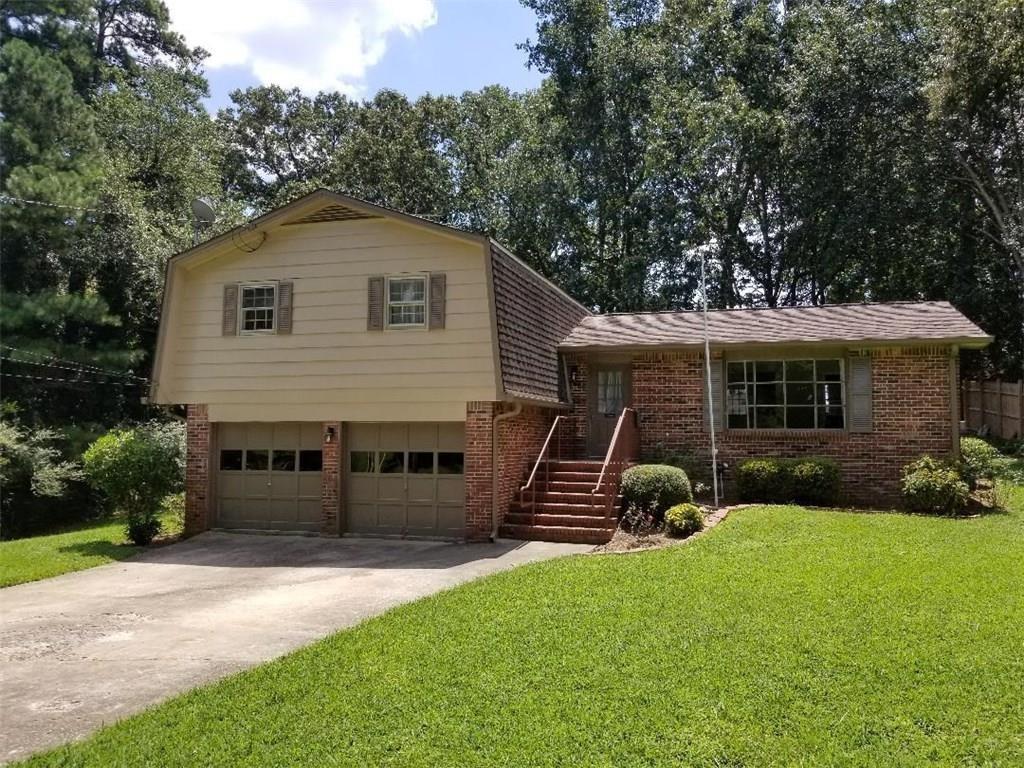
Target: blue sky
column 359, row 46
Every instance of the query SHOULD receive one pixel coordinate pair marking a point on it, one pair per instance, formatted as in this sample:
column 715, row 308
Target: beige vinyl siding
column 331, row 367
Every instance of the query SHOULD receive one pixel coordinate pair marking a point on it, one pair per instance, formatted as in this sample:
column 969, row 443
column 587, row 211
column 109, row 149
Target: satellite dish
column 202, row 209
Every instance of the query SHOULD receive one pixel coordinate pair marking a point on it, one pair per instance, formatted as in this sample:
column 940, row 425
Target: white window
column 785, row 394
column 257, row 308
column 407, row 302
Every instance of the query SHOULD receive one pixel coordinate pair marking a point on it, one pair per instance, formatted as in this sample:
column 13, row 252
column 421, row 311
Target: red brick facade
column 197, row 470
column 520, row 439
column 331, row 498
column 912, row 416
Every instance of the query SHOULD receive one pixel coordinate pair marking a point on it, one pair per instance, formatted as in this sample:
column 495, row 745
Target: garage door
column 406, row 479
column 268, row 476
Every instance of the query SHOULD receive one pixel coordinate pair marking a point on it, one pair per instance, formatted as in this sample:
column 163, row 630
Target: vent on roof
column 332, row 213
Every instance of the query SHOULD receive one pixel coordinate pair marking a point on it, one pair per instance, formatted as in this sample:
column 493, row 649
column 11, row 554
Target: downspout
column 495, row 477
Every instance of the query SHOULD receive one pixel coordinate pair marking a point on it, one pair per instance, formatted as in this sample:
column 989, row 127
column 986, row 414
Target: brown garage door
column 268, row 476
column 406, row 479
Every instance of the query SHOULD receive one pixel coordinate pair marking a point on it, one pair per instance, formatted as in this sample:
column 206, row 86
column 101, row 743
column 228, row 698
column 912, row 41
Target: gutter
column 495, row 445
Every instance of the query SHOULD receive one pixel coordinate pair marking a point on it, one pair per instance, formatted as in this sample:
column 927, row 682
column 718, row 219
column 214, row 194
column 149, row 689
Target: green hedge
column 779, row 481
column 653, row 488
column 977, row 460
column 934, row 487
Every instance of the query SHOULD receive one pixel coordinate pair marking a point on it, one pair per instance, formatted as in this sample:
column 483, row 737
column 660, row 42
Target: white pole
column 707, row 369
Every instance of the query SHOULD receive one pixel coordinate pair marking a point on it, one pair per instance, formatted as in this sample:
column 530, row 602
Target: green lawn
column 84, row 546
column 784, row 637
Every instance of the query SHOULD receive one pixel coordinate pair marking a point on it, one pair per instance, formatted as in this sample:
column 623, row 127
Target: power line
column 69, row 368
column 9, row 199
column 71, row 381
column 83, row 367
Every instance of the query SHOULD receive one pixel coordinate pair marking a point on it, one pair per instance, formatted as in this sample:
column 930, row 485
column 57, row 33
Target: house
column 350, row 369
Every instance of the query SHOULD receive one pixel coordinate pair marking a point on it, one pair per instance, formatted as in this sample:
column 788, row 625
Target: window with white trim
column 257, row 308
column 785, row 394
column 407, row 302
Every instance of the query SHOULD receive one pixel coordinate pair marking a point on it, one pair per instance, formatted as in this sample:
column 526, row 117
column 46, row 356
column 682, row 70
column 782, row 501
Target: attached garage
column 406, row 479
column 268, row 476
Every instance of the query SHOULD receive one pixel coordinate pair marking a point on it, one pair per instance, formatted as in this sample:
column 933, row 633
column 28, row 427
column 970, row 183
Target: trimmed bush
column 768, row 480
column 684, row 520
column 654, row 488
column 934, row 487
column 977, row 460
column 779, row 481
column 136, row 468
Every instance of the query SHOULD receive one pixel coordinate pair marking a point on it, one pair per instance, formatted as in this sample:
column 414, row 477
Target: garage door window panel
column 257, row 460
column 231, row 461
column 391, row 462
column 283, row 461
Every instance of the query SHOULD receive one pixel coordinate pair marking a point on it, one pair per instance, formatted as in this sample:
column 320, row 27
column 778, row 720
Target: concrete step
column 557, row 533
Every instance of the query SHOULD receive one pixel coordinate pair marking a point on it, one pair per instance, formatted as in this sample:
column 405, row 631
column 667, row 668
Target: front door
column 610, row 392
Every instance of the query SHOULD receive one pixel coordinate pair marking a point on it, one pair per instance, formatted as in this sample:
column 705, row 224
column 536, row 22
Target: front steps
column 565, row 510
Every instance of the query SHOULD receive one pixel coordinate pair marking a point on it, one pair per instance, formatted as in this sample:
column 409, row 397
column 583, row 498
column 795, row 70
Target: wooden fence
column 997, row 404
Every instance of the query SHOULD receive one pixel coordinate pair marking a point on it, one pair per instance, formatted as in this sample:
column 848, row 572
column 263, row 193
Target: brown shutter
column 859, row 395
column 284, row 307
column 437, row 299
column 375, row 304
column 717, row 394
column 229, row 319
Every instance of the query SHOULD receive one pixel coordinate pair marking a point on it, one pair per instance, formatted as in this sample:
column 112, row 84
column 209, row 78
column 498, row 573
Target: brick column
column 330, row 488
column 197, row 470
column 478, row 470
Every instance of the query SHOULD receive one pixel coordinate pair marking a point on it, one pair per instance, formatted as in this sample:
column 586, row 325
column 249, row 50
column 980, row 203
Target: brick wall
column 520, row 441
column 911, row 410
column 331, row 498
column 197, row 470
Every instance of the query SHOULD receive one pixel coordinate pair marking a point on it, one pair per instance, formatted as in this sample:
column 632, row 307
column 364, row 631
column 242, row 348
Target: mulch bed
column 626, row 541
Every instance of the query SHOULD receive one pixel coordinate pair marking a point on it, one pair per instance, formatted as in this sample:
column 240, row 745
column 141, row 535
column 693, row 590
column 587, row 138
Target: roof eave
column 963, row 342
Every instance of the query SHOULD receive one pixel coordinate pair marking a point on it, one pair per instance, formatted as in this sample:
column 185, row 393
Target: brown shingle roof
column 532, row 316
column 919, row 321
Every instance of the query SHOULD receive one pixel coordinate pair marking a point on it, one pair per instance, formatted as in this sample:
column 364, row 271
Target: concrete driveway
column 85, row 649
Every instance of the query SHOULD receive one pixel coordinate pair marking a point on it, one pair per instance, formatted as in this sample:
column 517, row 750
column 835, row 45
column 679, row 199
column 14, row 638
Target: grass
column 785, row 636
column 75, row 549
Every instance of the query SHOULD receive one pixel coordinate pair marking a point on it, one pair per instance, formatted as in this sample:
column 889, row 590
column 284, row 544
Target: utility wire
column 83, row 367
column 68, row 368
column 9, row 199
column 71, row 381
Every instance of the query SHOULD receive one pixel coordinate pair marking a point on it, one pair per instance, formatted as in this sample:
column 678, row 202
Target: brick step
column 571, row 477
column 544, row 497
column 569, row 486
column 558, row 533
column 567, row 521
column 572, row 465
column 561, row 508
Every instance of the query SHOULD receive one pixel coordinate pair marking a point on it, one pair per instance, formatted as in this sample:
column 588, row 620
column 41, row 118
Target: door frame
column 594, row 367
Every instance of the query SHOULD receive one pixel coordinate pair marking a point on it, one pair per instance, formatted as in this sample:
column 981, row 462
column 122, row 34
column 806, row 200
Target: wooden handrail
column 543, row 453
column 611, row 448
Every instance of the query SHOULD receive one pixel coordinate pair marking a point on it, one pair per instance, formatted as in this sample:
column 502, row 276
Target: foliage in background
column 136, row 469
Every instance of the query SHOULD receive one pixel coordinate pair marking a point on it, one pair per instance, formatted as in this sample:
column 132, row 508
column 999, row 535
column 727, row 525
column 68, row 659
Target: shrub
column 655, row 488
column 977, row 460
column 136, row 468
column 684, row 520
column 934, row 487
column 767, row 480
column 816, row 482
column 779, row 481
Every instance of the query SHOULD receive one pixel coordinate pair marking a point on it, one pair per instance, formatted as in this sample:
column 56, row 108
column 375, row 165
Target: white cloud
column 313, row 45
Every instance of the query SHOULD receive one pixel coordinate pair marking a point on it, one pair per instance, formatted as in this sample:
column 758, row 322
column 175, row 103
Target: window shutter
column 375, row 304
column 717, row 395
column 229, row 319
column 859, row 396
column 284, row 307
column 437, row 299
